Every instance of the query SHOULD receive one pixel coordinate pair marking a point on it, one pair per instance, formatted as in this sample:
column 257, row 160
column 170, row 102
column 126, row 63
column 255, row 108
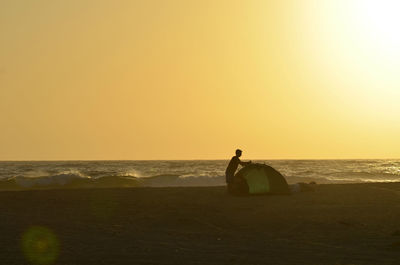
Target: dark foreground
column 337, row 224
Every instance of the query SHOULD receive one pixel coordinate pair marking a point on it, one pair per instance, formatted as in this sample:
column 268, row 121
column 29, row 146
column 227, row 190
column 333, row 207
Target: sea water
column 166, row 173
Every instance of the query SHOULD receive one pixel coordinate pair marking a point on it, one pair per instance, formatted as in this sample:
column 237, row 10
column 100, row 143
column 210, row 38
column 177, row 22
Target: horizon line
column 217, row 159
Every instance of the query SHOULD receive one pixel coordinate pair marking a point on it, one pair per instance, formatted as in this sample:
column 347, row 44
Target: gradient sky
column 182, row 79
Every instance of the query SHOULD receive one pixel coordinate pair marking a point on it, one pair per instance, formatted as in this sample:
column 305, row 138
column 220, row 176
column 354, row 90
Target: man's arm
column 244, row 163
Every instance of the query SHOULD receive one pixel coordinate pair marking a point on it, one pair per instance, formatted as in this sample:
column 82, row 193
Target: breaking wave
column 79, row 180
column 101, row 174
column 65, row 181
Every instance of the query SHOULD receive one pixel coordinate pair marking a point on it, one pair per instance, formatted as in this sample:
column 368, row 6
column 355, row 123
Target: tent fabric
column 263, row 179
column 257, row 181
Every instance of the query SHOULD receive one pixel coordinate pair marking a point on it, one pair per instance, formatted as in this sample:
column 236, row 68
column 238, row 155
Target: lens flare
column 40, row 246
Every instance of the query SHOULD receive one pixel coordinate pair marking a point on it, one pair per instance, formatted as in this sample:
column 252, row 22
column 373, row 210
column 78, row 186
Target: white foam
column 58, row 179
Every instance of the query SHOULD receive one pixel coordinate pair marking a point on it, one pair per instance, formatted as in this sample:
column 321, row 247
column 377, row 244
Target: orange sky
column 181, row 79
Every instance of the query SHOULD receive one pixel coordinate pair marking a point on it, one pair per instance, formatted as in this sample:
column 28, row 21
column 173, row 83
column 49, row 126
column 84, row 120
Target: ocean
column 167, row 173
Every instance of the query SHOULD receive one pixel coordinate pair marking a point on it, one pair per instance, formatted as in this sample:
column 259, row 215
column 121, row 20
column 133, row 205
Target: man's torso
column 231, row 169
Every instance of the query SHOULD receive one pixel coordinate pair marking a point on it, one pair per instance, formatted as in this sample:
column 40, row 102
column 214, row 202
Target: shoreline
column 69, row 187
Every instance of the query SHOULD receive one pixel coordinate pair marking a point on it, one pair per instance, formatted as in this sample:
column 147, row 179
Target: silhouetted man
column 231, row 169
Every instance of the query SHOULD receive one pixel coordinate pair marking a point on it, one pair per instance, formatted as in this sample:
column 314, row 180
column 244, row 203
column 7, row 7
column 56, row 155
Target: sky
column 186, row 79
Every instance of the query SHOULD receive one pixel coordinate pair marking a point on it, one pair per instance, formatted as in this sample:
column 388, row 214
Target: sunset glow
column 198, row 79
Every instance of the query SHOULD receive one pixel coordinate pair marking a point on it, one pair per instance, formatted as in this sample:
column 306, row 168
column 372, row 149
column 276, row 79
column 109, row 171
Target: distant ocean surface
column 76, row 174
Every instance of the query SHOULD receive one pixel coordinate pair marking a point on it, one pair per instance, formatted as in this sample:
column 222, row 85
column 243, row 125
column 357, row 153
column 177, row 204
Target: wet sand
column 337, row 224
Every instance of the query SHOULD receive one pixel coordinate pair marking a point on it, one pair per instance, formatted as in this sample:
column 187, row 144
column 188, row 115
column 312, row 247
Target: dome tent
column 261, row 179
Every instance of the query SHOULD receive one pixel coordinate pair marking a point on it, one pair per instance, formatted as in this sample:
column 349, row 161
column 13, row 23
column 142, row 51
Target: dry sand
column 337, row 224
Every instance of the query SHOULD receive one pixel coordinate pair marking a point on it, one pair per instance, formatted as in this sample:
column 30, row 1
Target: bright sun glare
column 379, row 22
column 366, row 37
column 382, row 21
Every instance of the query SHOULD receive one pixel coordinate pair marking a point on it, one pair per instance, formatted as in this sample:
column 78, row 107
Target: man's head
column 238, row 152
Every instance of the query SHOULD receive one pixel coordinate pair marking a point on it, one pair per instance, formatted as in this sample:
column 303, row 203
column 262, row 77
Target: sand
column 337, row 224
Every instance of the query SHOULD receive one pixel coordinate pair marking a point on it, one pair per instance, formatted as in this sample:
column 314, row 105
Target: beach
column 336, row 224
